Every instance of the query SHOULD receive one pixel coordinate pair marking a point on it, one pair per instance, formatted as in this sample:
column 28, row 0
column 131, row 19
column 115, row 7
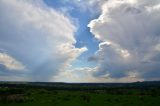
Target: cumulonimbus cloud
column 130, row 35
column 38, row 36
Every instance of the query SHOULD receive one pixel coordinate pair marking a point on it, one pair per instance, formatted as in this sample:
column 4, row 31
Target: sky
column 80, row 40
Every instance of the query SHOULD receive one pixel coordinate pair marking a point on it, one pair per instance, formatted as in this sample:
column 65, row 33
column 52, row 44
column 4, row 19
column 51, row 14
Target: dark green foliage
column 16, row 98
column 49, row 96
column 86, row 98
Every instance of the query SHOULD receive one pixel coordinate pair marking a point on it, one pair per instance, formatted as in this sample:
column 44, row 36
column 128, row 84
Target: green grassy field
column 49, row 97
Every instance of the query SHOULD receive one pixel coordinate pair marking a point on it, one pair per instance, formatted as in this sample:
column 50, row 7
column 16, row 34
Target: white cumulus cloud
column 130, row 36
column 10, row 63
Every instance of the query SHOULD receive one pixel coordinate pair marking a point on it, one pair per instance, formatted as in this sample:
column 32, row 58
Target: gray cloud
column 130, row 35
column 92, row 58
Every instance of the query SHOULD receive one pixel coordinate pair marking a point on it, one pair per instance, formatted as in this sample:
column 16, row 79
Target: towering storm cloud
column 130, row 35
column 35, row 39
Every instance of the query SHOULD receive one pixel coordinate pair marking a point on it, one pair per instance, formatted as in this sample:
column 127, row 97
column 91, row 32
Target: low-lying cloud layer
column 37, row 36
column 130, row 35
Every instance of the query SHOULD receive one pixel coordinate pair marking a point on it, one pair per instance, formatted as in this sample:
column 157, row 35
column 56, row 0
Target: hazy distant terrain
column 81, row 94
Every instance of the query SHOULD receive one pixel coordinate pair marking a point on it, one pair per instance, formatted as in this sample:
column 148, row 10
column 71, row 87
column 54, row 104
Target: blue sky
column 79, row 40
column 82, row 35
